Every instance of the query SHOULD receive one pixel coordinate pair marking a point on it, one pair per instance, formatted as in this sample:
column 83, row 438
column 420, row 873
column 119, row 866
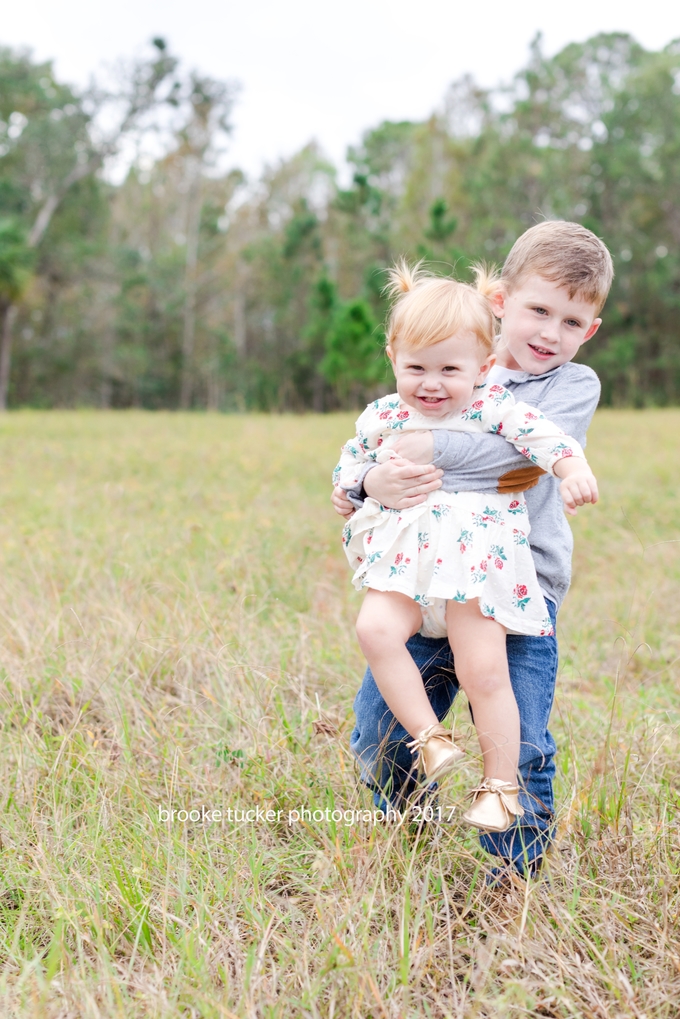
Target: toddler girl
column 459, row 562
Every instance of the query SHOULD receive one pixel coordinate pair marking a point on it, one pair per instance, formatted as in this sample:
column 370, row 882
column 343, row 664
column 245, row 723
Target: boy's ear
column 593, row 329
column 498, row 302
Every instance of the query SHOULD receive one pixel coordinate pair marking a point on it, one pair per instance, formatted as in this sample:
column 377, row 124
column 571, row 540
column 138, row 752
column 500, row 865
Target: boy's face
column 542, row 326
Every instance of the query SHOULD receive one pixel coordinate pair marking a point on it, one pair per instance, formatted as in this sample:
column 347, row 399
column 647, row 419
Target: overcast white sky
column 324, row 70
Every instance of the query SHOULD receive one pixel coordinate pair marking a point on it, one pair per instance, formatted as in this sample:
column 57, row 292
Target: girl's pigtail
column 487, row 279
column 402, row 278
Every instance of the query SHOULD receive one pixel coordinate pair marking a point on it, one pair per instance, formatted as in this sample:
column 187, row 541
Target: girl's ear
column 484, row 369
column 390, row 354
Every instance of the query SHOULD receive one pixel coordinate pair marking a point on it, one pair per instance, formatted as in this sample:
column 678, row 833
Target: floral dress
column 456, row 545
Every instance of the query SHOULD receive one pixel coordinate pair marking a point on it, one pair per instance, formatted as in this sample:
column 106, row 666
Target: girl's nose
column 430, row 382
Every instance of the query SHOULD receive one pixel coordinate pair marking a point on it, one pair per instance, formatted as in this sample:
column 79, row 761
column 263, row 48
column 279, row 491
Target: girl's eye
column 450, row 368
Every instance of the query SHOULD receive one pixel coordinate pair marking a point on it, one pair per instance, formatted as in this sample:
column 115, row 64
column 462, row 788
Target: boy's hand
column 578, row 482
column 418, row 447
column 341, row 503
column 399, row 483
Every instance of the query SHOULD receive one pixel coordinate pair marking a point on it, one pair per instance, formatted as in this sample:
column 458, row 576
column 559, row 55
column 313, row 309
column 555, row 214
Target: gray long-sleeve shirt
column 568, row 396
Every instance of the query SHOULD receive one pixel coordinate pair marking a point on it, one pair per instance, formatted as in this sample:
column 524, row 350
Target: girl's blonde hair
column 428, row 308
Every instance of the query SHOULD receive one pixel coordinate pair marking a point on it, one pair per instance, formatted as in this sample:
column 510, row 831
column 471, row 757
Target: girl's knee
column 366, row 632
column 362, row 624
column 374, row 632
column 486, row 685
column 384, row 621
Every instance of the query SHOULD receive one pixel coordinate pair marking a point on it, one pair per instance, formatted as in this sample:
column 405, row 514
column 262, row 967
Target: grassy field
column 176, row 634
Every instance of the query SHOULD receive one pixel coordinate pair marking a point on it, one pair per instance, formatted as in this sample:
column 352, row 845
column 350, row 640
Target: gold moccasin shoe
column 495, row 805
column 437, row 753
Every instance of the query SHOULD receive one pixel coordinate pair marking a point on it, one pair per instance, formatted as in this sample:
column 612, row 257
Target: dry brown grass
column 176, row 631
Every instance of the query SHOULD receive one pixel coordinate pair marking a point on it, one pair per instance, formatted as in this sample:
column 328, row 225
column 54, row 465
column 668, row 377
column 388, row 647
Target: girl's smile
column 439, row 379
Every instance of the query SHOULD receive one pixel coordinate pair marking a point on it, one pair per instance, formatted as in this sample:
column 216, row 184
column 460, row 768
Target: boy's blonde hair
column 428, row 308
column 563, row 253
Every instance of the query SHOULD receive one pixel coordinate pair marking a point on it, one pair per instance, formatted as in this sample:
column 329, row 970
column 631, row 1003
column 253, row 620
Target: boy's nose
column 550, row 332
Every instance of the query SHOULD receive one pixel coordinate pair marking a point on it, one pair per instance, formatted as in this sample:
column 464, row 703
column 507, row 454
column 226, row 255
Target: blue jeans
column 379, row 741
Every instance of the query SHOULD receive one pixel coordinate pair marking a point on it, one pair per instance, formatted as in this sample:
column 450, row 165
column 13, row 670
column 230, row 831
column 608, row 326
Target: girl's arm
column 579, row 484
column 341, row 504
column 350, row 468
column 357, row 454
column 542, row 442
column 533, row 435
column 469, row 462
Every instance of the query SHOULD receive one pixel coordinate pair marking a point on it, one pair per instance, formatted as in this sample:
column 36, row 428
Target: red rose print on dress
column 400, row 564
column 500, row 557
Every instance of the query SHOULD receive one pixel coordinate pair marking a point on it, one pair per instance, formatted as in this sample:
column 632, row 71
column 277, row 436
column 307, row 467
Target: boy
column 556, row 280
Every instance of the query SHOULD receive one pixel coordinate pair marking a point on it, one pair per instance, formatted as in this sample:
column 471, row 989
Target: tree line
column 187, row 285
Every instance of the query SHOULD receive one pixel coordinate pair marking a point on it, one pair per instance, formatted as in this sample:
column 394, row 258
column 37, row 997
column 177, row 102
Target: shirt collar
column 498, row 373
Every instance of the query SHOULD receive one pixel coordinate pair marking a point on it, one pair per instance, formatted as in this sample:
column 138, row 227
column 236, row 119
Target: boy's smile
column 542, row 326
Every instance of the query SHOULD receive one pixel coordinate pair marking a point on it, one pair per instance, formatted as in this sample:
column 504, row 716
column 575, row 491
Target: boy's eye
column 540, row 311
column 573, row 322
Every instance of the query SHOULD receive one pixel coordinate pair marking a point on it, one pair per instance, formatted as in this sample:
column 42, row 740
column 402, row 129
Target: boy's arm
column 471, row 461
column 398, row 484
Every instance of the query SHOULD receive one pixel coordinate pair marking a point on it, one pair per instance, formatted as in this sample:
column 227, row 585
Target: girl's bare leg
column 481, row 664
column 386, row 621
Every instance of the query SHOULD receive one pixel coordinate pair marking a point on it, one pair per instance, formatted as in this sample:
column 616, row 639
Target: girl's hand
column 341, row 503
column 579, row 484
column 418, row 447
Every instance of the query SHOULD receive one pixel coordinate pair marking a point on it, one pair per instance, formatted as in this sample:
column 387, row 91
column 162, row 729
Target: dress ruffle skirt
column 455, row 546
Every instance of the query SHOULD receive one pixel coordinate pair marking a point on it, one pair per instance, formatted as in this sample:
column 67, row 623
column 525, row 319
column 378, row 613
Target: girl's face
column 439, row 380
